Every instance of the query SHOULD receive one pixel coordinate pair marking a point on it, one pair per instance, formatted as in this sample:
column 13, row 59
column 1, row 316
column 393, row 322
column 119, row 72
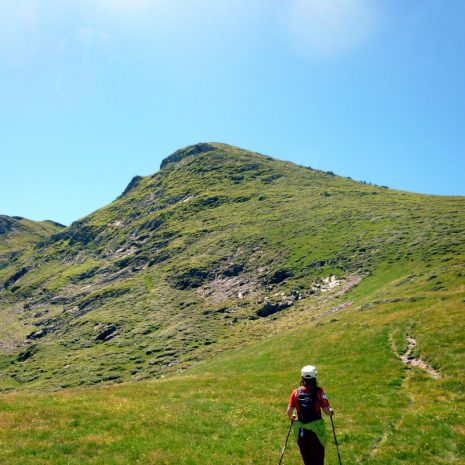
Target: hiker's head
column 309, row 376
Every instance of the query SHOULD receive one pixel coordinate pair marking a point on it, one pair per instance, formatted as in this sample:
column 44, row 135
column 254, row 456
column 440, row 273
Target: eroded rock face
column 269, row 308
column 279, row 276
column 234, row 270
column 27, row 354
column 40, row 333
column 12, row 279
column 107, row 333
column 190, row 279
column 5, row 224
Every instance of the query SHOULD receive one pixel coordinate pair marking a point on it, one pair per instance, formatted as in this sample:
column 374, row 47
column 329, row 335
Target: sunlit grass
column 231, row 409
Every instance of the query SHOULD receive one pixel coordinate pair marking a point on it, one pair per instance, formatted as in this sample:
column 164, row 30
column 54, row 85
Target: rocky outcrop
column 279, row 276
column 187, row 152
column 270, row 307
column 234, row 269
column 153, row 224
column 135, row 181
column 107, row 333
column 272, row 177
column 27, row 354
column 40, row 333
column 5, row 224
column 15, row 277
column 189, row 279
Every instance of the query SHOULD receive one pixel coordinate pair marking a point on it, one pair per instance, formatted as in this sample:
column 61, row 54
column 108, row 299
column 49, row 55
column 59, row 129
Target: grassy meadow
column 231, row 410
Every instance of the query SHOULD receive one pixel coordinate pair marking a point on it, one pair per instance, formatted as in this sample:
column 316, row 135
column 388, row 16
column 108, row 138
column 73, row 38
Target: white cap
column 308, row 372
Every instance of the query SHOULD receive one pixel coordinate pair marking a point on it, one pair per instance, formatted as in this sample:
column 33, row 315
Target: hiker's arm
column 328, row 411
column 290, row 413
column 291, row 406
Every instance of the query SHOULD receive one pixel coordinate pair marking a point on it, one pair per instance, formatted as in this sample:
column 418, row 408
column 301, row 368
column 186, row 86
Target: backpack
column 306, row 401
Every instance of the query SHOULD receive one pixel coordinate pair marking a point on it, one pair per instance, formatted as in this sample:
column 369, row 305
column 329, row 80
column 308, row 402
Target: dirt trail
column 335, row 309
column 412, row 361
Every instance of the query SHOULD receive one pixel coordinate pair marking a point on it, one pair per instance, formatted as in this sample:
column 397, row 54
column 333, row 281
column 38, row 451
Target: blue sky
column 93, row 92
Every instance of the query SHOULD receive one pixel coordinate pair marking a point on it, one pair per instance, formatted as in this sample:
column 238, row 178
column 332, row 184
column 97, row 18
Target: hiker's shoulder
column 295, row 392
column 321, row 395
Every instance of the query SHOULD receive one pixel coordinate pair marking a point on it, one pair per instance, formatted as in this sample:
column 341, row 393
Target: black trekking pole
column 285, row 444
column 335, row 440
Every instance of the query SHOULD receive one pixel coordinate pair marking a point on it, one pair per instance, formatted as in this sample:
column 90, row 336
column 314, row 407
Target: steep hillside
column 222, row 246
column 17, row 234
column 18, row 237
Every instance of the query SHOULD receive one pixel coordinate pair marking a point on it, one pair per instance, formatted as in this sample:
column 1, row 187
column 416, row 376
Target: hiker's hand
column 294, row 418
column 331, row 411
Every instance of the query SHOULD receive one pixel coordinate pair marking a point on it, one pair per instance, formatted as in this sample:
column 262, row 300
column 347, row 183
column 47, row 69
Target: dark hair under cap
column 309, row 382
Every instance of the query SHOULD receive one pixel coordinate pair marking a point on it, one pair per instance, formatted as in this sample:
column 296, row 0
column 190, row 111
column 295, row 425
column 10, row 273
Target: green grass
column 223, row 375
column 232, row 409
column 18, row 236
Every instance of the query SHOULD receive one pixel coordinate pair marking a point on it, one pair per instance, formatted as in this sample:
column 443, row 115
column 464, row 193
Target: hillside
column 17, row 234
column 219, row 248
column 231, row 408
column 18, row 237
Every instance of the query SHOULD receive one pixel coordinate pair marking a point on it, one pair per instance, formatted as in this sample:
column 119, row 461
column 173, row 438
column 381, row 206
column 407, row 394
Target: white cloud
column 330, row 27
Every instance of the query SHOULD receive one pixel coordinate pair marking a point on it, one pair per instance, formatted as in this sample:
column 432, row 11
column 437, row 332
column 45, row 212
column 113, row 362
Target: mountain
column 220, row 248
column 18, row 234
column 218, row 278
column 18, row 237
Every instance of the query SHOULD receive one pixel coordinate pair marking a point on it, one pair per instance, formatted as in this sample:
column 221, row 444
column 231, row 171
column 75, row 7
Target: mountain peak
column 191, row 151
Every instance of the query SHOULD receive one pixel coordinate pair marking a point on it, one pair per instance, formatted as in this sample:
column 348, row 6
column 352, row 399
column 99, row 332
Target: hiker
column 309, row 400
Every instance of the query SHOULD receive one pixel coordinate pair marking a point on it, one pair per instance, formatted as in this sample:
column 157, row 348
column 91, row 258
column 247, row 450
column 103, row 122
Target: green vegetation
column 220, row 276
column 18, row 236
column 231, row 409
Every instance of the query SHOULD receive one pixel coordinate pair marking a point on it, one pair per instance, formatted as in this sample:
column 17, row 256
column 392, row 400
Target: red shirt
column 321, row 400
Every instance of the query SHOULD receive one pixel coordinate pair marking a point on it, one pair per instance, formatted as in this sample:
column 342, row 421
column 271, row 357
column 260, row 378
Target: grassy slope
column 18, row 237
column 231, row 409
column 219, row 208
